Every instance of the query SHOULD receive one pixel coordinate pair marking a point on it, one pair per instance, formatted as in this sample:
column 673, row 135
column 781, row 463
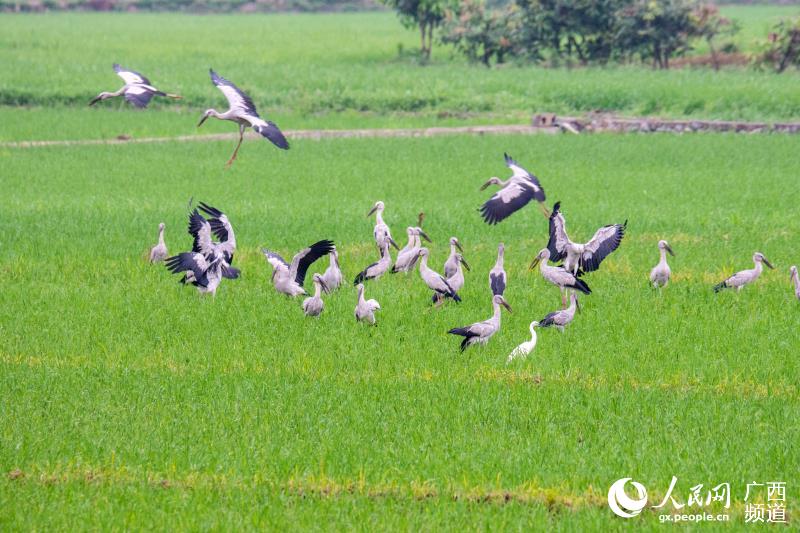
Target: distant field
column 300, row 71
column 127, row 397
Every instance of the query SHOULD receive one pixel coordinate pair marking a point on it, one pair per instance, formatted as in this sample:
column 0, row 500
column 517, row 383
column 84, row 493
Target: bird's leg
column 545, row 211
column 563, row 298
column 439, row 301
column 236, row 150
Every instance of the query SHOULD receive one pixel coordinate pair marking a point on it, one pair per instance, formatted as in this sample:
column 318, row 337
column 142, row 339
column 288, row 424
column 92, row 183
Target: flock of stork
column 210, row 261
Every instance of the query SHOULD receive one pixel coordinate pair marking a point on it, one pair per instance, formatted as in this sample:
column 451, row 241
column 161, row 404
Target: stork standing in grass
column 365, row 309
column 586, row 257
column 558, row 275
column 137, row 89
column 332, row 277
column 159, row 252
column 242, row 110
column 289, row 278
column 313, row 305
column 377, row 269
column 456, row 281
column 796, row 279
column 407, row 257
column 481, row 332
column 744, row 277
column 497, row 275
column 452, row 263
column 659, row 276
column 381, row 232
column 562, row 318
column 526, row 347
column 516, row 192
column 435, row 281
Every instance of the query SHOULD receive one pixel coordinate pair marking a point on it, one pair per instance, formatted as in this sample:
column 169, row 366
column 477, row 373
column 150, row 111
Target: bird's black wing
column 130, row 76
column 304, row 258
column 605, row 240
column 506, row 202
column 363, row 276
column 217, row 227
column 195, row 262
column 200, row 230
column 498, row 283
column 548, row 320
column 140, row 96
column 273, row 134
column 237, row 98
column 520, row 172
column 558, row 234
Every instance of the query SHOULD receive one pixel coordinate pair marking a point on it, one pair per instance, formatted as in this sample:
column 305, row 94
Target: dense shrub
column 782, row 48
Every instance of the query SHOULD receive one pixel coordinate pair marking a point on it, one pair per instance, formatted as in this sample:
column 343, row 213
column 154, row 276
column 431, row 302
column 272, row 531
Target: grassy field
column 304, row 75
column 130, row 402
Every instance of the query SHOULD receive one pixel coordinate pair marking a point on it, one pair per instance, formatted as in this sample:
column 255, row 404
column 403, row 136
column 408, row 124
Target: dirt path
column 552, row 125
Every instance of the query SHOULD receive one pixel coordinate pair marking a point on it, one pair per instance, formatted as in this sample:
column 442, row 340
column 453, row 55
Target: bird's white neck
column 334, row 259
column 499, row 262
column 317, row 289
column 379, row 216
column 533, row 333
column 758, row 268
column 160, row 235
column 496, row 315
column 452, row 249
column 361, row 295
column 573, row 302
column 663, row 253
column 423, row 262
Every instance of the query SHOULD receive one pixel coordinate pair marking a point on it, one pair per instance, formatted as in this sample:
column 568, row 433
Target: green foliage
column 426, row 15
column 587, row 31
column 481, row 34
column 782, row 48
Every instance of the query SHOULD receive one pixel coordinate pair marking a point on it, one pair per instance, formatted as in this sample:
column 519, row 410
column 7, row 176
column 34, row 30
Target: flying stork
column 381, row 231
column 742, row 278
column 159, row 252
column 365, row 309
column 137, row 89
column 586, row 257
column 526, row 347
column 558, row 275
column 201, row 230
column 289, row 278
column 516, row 192
column 481, row 332
column 659, row 276
column 242, row 110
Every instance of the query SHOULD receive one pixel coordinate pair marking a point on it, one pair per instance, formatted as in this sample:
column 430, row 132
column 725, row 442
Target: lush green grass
column 128, row 398
column 301, row 72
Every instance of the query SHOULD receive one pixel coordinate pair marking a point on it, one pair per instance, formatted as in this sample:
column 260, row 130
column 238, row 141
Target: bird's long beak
column 393, row 243
column 486, row 185
column 202, row 120
column 95, row 100
column 505, row 304
column 374, row 208
column 463, row 262
column 458, row 245
column 768, row 264
column 669, row 249
column 323, row 285
column 535, row 262
column 425, row 236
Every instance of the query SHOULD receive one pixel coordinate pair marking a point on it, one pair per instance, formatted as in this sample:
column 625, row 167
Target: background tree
column 423, row 14
column 782, row 48
column 479, row 33
column 710, row 25
column 656, row 30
